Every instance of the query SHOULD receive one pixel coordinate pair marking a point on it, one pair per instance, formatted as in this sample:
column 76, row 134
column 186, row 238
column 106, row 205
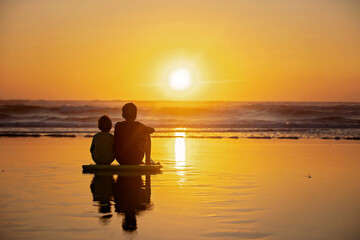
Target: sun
column 180, row 79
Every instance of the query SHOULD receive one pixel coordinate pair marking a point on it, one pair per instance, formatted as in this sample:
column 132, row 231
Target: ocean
column 289, row 120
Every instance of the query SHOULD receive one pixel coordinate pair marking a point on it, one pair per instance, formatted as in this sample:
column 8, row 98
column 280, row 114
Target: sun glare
column 180, row 79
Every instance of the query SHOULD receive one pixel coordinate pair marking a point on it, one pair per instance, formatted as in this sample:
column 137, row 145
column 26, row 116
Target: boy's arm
column 92, row 147
column 149, row 130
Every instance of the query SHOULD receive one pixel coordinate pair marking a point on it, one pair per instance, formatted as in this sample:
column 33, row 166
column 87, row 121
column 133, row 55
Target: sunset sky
column 246, row 50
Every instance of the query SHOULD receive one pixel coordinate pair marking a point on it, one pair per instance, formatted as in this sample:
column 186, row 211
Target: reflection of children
column 102, row 146
column 102, row 190
column 131, row 196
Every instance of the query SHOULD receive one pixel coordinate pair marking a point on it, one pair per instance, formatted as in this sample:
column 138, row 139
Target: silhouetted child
column 102, row 146
column 132, row 138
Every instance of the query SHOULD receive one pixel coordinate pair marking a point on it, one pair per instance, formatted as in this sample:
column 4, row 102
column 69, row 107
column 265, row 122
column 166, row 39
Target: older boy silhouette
column 132, row 138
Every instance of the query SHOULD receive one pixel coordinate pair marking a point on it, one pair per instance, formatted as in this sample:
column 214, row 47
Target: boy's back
column 130, row 141
column 102, row 148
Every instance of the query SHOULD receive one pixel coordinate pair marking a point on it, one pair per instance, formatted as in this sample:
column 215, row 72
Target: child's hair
column 129, row 111
column 104, row 123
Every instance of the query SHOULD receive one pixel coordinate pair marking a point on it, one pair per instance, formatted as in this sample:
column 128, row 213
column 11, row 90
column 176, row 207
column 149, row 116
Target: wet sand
column 209, row 189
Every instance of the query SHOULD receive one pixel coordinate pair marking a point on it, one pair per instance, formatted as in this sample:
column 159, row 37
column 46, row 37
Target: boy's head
column 104, row 123
column 129, row 111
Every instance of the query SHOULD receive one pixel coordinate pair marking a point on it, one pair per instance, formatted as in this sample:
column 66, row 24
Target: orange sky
column 248, row 50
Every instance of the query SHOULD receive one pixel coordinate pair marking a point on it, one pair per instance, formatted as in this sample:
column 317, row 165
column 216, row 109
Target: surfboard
column 141, row 167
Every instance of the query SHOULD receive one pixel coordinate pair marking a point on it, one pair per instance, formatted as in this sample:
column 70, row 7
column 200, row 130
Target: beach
column 210, row 188
column 252, row 109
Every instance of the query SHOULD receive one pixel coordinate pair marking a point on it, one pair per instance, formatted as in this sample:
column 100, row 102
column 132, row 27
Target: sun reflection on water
column 180, row 159
column 180, row 150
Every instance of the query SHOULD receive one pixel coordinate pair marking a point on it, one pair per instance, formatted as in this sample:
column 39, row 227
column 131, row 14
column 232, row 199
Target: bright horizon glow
column 180, row 79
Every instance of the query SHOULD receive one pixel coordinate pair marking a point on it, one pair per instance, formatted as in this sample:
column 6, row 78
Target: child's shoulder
column 101, row 134
column 139, row 123
column 126, row 124
column 108, row 134
column 118, row 124
column 96, row 134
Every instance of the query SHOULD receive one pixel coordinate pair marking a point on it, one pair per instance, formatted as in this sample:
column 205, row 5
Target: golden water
column 209, row 189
